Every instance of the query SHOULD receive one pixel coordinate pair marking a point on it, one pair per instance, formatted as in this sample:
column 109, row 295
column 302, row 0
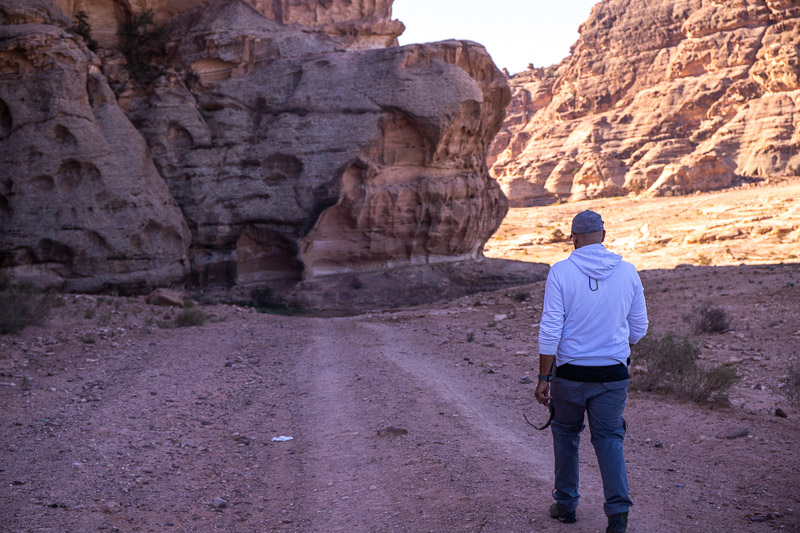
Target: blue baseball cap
column 587, row 222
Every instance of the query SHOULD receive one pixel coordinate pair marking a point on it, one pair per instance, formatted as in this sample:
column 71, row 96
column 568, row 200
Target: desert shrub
column 264, row 298
column 84, row 29
column 205, row 299
column 709, row 319
column 143, row 44
column 265, row 301
column 703, row 260
column 521, row 296
column 21, row 306
column 669, row 363
column 637, row 187
column 665, row 358
column 558, row 236
column 190, row 317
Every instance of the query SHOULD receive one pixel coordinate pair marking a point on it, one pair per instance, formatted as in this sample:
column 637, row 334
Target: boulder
column 165, row 297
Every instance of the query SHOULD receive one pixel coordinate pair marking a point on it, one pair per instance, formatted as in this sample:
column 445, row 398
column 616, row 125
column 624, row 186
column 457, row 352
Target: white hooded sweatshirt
column 593, row 309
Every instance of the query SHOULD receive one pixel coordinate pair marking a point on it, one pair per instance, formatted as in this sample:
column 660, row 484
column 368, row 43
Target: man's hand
column 542, row 392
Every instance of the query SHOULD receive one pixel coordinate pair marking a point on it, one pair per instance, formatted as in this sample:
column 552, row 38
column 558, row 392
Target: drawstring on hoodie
column 596, row 284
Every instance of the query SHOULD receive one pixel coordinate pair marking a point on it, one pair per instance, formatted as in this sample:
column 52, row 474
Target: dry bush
column 21, row 306
column 521, row 296
column 265, row 301
column 709, row 319
column 190, row 317
column 669, row 363
column 558, row 236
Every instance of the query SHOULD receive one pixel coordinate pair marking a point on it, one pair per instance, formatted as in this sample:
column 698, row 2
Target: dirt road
column 400, row 422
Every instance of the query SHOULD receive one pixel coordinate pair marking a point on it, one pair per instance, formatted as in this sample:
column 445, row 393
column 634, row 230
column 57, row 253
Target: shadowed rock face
column 657, row 97
column 82, row 206
column 291, row 152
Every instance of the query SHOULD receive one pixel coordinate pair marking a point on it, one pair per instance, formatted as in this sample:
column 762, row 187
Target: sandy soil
column 409, row 420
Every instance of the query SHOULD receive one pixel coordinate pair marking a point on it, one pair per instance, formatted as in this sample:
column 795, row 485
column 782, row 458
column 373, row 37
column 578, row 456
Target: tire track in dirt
column 466, row 463
column 487, row 417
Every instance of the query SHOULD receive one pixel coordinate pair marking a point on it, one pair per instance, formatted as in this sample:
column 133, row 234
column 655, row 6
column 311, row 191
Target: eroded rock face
column 292, row 159
column 294, row 153
column 660, row 98
column 82, row 206
column 360, row 24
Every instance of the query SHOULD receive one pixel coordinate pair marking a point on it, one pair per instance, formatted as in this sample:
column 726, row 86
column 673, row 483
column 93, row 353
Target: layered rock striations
column 293, row 152
column 659, row 98
column 356, row 24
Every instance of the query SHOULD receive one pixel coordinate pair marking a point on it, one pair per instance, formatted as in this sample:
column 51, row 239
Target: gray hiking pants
column 603, row 403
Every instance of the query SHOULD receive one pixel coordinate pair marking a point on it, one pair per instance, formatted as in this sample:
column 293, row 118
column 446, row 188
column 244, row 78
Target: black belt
column 592, row 374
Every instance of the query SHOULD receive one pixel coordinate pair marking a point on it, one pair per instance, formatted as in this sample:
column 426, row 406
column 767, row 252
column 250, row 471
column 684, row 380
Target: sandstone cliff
column 659, row 98
column 294, row 142
column 359, row 24
column 80, row 198
column 291, row 159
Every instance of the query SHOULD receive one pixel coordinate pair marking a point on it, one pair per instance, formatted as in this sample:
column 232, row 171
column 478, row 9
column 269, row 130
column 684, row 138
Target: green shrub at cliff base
column 143, row 44
column 669, row 363
column 21, row 306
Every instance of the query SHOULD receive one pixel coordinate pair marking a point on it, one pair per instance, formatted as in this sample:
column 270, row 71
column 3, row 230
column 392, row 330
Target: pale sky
column 515, row 32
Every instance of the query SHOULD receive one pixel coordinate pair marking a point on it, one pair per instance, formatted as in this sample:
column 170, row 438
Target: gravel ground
column 407, row 420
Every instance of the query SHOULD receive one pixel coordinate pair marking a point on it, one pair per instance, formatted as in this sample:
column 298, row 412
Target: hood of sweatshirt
column 595, row 261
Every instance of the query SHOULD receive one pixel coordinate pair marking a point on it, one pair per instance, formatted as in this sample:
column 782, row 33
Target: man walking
column 594, row 309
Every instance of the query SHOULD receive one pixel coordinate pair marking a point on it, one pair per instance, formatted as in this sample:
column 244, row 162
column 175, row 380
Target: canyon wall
column 80, row 198
column 358, row 24
column 278, row 143
column 657, row 98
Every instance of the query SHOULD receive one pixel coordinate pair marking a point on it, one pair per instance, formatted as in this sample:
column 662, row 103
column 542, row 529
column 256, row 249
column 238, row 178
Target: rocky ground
column 407, row 420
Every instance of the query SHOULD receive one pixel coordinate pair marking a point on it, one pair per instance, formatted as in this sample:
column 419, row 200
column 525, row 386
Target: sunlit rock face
column 293, row 152
column 292, row 159
column 82, row 206
column 657, row 98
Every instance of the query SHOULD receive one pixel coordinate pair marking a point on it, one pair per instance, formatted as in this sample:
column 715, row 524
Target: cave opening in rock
column 265, row 257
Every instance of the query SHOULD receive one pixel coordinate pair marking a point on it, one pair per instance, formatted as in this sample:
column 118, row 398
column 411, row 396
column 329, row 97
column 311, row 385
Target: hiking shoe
column 557, row 512
column 617, row 523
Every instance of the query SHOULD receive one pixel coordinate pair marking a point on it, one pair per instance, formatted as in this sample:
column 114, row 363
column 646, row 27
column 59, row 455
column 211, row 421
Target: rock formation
column 294, row 142
column 360, row 24
column 80, row 198
column 659, row 98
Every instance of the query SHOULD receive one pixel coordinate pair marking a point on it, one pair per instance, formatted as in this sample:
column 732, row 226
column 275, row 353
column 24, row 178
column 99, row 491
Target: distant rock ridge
column 657, row 98
column 360, row 24
column 283, row 142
